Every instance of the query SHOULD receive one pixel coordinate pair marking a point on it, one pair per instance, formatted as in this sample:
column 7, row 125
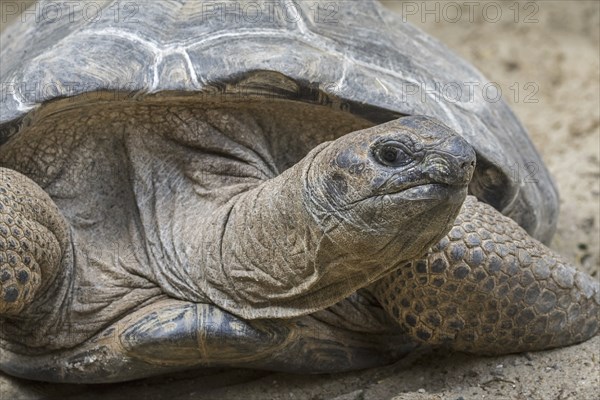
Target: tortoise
column 264, row 193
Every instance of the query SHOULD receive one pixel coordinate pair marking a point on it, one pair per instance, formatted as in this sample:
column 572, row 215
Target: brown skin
column 341, row 196
column 349, row 212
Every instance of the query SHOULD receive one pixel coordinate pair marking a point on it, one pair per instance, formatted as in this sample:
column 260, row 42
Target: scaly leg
column 172, row 335
column 489, row 288
column 33, row 239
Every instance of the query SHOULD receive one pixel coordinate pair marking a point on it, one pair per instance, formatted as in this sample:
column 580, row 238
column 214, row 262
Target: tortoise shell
column 355, row 57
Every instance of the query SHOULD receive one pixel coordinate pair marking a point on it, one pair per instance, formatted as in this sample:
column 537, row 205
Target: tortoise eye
column 392, row 156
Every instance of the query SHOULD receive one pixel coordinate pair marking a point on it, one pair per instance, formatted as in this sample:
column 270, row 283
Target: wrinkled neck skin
column 188, row 201
column 324, row 228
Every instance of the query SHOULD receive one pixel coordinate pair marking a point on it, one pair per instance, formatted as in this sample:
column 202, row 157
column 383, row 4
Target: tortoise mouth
column 438, row 192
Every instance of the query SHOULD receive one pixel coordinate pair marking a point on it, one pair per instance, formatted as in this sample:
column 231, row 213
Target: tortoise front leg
column 172, row 335
column 489, row 288
column 33, row 241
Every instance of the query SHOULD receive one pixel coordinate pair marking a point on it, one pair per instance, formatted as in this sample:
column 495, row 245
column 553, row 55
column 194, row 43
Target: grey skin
column 202, row 198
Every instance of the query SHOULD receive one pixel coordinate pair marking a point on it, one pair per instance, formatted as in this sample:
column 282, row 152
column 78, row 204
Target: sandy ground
column 553, row 46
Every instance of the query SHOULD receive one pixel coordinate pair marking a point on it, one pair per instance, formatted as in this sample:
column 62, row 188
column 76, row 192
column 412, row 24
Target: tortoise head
column 402, row 181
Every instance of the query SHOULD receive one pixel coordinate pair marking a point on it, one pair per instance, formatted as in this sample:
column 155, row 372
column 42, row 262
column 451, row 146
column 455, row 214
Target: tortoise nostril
column 467, row 164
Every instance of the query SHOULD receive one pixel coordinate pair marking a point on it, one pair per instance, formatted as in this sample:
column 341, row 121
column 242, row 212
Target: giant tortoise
column 187, row 188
